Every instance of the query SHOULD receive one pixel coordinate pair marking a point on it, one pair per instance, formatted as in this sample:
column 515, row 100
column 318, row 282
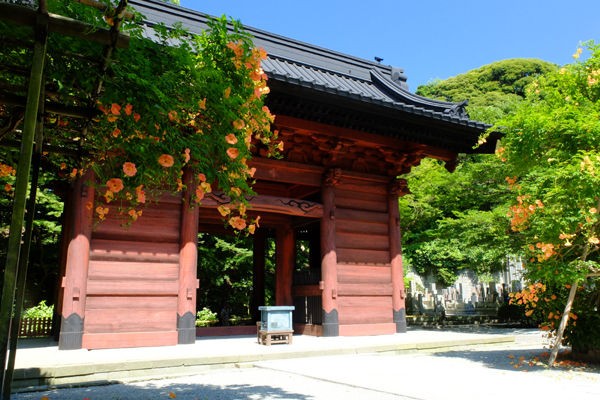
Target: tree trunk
column 563, row 323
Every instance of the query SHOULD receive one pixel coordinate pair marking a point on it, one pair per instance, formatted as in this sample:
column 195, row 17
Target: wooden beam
column 285, row 254
column 258, row 272
column 272, row 204
column 398, row 296
column 329, row 256
column 20, row 195
column 287, row 172
column 63, row 25
column 362, row 138
column 188, row 261
column 74, row 282
column 51, row 107
column 306, row 291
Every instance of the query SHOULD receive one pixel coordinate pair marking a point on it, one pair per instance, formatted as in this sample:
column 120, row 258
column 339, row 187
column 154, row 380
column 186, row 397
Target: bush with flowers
column 171, row 102
column 551, row 150
column 203, row 114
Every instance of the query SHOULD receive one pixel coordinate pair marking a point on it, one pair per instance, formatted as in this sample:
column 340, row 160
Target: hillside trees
column 456, row 221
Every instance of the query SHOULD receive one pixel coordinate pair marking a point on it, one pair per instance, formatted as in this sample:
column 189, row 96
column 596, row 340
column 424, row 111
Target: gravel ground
column 479, row 372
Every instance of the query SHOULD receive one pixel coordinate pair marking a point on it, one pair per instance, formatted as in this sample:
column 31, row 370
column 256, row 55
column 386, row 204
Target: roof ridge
column 278, row 42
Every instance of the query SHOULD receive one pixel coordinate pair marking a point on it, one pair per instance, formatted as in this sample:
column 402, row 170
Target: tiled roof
column 323, row 70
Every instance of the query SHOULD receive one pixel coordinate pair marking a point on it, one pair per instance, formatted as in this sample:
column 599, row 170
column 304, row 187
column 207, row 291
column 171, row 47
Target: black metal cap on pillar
column 400, row 320
column 71, row 333
column 186, row 328
column 331, row 325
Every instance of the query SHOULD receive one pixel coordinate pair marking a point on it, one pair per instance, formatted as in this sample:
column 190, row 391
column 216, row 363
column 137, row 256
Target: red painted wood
column 352, row 200
column 365, row 309
column 360, row 215
column 306, row 290
column 370, row 227
column 226, row 330
column 365, row 139
column 351, row 273
column 119, row 270
column 147, row 302
column 360, row 240
column 287, row 172
column 117, row 320
column 363, row 256
column 285, row 260
column 258, row 272
column 165, row 229
column 396, row 253
column 129, row 339
column 188, row 251
column 78, row 251
column 364, row 289
column 132, row 287
column 272, row 204
column 135, row 251
column 366, row 302
column 328, row 249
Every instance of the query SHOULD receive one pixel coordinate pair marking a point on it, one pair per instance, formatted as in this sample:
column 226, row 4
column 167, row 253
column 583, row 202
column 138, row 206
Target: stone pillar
column 74, row 282
column 285, row 249
column 188, row 263
column 328, row 282
column 258, row 273
column 398, row 292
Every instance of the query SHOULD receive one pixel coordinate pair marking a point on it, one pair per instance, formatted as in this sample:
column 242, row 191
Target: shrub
column 42, row 310
column 206, row 317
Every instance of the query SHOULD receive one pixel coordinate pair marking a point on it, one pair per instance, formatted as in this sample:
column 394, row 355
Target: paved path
column 494, row 371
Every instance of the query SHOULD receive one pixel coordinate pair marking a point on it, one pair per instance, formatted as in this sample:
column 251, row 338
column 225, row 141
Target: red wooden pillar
column 398, row 305
column 74, row 282
column 285, row 248
column 328, row 282
column 258, row 273
column 188, row 262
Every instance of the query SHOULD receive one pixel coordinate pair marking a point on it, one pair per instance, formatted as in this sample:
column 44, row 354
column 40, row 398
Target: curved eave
column 418, row 109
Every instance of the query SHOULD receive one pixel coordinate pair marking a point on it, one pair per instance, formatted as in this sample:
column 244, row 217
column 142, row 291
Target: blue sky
column 430, row 39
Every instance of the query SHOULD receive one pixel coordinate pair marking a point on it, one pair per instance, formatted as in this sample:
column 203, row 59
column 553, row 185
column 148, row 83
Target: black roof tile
column 323, row 70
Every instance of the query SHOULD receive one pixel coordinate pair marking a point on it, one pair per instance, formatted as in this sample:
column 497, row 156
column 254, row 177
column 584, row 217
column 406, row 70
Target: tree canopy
column 457, row 221
column 551, row 150
column 492, row 90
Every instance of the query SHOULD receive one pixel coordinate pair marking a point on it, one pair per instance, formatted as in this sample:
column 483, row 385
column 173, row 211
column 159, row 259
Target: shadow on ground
column 179, row 391
column 513, row 360
column 530, row 359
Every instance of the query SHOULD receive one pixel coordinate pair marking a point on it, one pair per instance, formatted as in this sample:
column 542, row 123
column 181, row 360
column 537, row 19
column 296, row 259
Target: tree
column 172, row 101
column 457, row 221
column 492, row 90
column 552, row 153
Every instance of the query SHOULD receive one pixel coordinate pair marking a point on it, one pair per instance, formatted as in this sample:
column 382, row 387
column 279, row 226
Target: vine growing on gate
column 171, row 102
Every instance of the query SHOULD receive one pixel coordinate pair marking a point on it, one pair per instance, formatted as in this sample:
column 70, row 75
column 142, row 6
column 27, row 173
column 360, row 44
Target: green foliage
column 42, row 310
column 44, row 255
column 170, row 101
column 225, row 269
column 492, row 90
column 552, row 153
column 206, row 317
column 455, row 221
